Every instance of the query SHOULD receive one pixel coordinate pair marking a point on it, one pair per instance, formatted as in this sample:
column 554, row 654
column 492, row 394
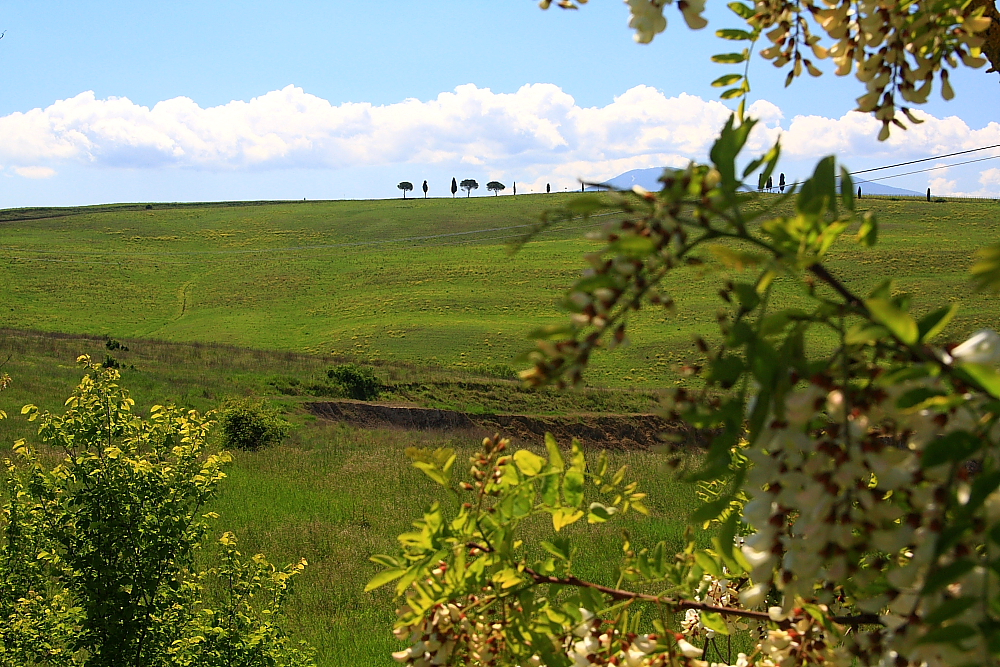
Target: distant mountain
column 647, row 178
column 867, row 187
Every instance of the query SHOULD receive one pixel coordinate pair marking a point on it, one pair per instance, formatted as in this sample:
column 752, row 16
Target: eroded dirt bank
column 603, row 431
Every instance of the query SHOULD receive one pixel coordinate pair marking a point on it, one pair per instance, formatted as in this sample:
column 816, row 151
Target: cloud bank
column 538, row 130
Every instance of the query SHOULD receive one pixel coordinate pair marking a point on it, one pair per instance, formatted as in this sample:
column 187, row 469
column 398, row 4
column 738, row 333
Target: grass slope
column 282, row 276
column 330, row 493
column 377, row 280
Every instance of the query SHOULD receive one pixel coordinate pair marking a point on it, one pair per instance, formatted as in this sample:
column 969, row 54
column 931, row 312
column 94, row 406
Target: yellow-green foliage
column 99, row 555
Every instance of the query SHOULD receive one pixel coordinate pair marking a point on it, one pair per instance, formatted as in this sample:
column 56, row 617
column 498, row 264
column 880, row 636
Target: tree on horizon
column 405, row 186
column 454, row 187
column 425, row 188
column 469, row 185
column 496, row 187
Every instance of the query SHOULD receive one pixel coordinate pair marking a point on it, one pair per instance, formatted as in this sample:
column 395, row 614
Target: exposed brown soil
column 603, row 431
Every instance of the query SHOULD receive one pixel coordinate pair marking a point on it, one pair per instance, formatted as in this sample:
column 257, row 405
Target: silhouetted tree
column 760, row 182
column 496, row 187
column 454, row 187
column 515, row 187
column 859, row 192
column 770, row 183
column 928, row 194
column 548, row 188
column 469, row 185
column 781, row 182
column 425, row 189
column 405, row 186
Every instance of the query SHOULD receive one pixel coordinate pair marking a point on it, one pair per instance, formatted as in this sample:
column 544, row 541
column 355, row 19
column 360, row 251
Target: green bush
column 357, row 382
column 104, row 559
column 249, row 425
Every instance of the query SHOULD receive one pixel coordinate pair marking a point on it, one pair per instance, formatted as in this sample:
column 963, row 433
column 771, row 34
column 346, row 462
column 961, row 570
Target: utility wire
column 940, row 166
column 926, row 159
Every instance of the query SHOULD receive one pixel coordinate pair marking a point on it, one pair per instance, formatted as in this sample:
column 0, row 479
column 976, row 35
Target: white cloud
column 942, row 186
column 35, row 172
column 990, row 177
column 539, row 125
column 536, row 134
column 855, row 134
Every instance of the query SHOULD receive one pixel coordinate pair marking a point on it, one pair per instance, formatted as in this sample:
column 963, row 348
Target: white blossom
column 646, row 19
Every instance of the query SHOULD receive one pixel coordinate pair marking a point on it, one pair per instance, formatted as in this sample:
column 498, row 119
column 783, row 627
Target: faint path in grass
column 183, row 296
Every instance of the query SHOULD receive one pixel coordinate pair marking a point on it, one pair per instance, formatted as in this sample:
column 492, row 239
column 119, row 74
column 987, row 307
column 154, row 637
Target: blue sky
column 330, row 81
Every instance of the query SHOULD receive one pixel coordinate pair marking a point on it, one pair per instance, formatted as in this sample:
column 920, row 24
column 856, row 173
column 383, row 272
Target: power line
column 926, row 159
column 940, row 166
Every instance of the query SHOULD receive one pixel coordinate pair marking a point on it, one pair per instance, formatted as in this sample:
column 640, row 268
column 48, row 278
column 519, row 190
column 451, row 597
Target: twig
column 820, row 272
column 619, row 594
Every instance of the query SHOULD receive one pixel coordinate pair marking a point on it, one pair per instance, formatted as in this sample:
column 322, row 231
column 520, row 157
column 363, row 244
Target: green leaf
column 554, row 331
column 947, row 575
column 725, row 371
column 731, row 93
column 819, row 193
column 726, row 80
column 633, row 245
column 713, row 621
column 734, row 258
column 987, row 377
column 710, row 510
column 955, row 446
column 558, row 547
column 585, row 205
column 986, row 270
column 729, row 58
column 573, row 488
column 432, row 471
column 708, row 564
column 948, row 634
column 386, row 561
column 983, row 486
column 735, row 35
column 932, row 324
column 741, row 10
column 747, row 295
column 529, row 463
column 600, row 513
column 861, row 334
column 895, row 320
column 916, row 397
column 868, row 232
column 555, row 456
column 771, row 159
column 949, row 609
column 846, row 189
column 565, row 516
column 384, row 577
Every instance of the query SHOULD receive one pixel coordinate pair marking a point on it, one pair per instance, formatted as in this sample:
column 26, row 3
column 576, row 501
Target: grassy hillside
column 425, row 281
column 310, row 283
column 330, row 493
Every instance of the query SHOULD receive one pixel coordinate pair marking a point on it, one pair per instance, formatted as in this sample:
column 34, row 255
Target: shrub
column 357, row 382
column 113, row 344
column 249, row 425
column 102, row 558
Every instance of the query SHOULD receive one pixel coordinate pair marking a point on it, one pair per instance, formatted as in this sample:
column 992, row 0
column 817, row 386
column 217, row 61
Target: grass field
column 333, row 494
column 376, row 280
column 230, row 300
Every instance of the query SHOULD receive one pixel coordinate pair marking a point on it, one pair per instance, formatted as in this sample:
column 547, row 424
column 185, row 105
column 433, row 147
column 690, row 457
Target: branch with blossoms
column 866, row 473
column 896, row 50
